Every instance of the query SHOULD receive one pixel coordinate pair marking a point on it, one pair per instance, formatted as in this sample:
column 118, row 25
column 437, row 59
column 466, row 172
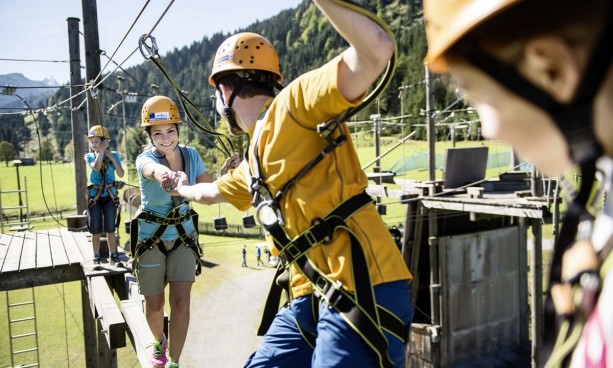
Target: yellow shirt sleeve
column 233, row 187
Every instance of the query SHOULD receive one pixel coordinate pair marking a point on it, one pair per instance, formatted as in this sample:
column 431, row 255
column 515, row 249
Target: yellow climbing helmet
column 99, row 131
column 246, row 51
column 448, row 21
column 159, row 110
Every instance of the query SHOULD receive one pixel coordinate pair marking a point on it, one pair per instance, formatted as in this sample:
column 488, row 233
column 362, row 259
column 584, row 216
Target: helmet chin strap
column 229, row 114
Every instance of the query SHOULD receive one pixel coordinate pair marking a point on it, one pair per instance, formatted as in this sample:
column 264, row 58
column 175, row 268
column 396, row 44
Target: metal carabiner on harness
column 267, row 214
column 327, row 129
column 151, row 50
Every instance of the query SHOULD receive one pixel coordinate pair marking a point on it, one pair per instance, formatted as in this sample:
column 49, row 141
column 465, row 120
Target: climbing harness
column 585, row 290
column 105, row 187
column 359, row 309
column 173, row 217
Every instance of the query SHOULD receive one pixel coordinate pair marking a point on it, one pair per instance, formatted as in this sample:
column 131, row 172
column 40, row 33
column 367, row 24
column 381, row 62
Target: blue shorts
column 337, row 344
column 101, row 216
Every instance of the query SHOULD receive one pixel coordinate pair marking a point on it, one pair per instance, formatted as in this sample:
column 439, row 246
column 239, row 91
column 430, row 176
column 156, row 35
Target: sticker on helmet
column 159, row 116
column 224, row 58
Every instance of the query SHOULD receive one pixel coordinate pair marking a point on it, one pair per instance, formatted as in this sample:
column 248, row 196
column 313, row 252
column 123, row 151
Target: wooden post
column 536, row 286
column 92, row 59
column 107, row 357
column 431, row 128
column 76, row 115
column 106, row 310
column 89, row 329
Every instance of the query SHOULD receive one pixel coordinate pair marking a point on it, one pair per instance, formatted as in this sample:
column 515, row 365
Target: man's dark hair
column 252, row 82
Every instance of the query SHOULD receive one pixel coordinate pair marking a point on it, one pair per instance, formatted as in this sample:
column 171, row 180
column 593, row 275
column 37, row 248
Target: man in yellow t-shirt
column 350, row 259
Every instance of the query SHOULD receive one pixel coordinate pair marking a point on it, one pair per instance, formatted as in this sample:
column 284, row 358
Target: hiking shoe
column 172, row 365
column 116, row 261
column 158, row 353
column 97, row 264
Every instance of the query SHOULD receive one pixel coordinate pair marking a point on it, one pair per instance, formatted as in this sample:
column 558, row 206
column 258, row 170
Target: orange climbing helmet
column 159, row 110
column 448, row 21
column 246, row 51
column 99, row 131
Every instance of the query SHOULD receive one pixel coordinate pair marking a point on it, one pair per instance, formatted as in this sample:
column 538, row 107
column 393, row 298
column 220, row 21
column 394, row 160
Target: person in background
column 258, row 255
column 102, row 193
column 539, row 74
column 340, row 247
column 244, row 251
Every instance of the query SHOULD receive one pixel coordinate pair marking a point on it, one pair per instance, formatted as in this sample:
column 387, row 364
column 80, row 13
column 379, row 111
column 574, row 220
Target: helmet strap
column 227, row 110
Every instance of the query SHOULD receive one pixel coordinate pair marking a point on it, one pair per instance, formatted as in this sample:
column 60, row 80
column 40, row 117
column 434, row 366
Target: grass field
column 59, row 306
column 51, row 187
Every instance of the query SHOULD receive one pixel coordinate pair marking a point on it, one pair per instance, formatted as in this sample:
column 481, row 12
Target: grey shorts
column 154, row 269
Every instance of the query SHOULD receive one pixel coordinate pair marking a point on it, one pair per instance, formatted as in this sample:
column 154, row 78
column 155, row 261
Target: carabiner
column 152, row 50
column 265, row 214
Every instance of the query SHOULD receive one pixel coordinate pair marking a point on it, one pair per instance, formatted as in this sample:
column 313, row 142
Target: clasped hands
column 172, row 181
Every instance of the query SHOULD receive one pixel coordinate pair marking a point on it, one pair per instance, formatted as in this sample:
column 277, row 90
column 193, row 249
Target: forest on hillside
column 303, row 39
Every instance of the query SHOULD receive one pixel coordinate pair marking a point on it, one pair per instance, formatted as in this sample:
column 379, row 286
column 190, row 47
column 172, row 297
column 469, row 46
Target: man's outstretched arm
column 370, row 49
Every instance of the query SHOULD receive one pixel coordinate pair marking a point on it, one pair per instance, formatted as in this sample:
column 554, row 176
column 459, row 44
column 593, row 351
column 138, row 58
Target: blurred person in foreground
column 539, row 73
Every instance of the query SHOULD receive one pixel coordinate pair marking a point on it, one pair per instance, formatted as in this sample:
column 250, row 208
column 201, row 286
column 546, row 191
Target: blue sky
column 37, row 29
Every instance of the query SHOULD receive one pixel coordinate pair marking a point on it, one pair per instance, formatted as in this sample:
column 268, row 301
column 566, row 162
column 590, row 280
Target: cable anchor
column 151, row 50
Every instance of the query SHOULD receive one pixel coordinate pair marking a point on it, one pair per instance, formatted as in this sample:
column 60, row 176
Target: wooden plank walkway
column 44, row 257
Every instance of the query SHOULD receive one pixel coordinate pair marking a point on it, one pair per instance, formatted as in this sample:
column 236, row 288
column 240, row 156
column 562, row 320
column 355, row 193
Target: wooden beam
column 138, row 329
column 13, row 254
column 107, row 357
column 40, row 277
column 131, row 285
column 77, row 247
column 43, row 251
column 492, row 208
column 104, row 305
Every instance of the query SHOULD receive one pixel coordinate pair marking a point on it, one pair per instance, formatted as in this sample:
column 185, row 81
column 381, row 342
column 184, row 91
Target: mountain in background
column 35, row 93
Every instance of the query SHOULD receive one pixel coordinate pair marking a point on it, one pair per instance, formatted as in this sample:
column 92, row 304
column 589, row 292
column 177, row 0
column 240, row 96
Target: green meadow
column 51, row 188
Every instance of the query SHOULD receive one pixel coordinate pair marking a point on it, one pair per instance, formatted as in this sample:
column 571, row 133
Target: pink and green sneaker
column 158, row 353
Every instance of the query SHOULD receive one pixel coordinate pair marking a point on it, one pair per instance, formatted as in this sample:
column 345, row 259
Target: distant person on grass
column 258, row 255
column 102, row 193
column 244, row 251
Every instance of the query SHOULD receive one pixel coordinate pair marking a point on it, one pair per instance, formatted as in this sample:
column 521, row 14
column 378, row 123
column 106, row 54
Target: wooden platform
column 44, row 257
